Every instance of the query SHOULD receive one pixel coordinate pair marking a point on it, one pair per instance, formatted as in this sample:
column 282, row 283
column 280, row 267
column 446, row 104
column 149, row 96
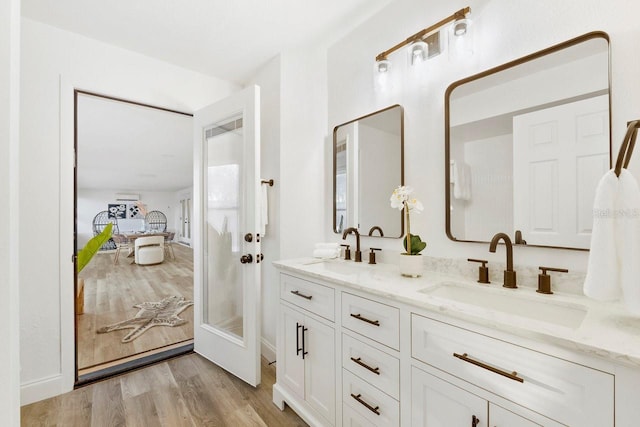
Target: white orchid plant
column 401, row 199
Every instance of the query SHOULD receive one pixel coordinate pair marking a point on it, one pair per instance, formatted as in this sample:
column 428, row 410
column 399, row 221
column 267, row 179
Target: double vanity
column 360, row 345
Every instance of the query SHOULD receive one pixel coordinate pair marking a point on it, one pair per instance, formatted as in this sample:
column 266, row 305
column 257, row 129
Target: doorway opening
column 134, row 169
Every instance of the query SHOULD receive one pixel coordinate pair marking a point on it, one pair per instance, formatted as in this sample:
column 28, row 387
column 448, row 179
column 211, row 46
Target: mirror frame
column 516, row 62
column 335, row 153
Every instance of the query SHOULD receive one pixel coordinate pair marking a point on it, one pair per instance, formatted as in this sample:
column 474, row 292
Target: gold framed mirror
column 368, row 163
column 526, row 144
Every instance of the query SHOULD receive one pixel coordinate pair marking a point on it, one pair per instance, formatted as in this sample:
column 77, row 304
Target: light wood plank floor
column 111, row 291
column 185, row 391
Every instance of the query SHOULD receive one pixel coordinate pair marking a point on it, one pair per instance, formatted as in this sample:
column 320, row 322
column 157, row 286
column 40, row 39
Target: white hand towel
column 603, row 270
column 264, row 210
column 326, row 253
column 461, row 180
column 629, row 237
column 613, row 271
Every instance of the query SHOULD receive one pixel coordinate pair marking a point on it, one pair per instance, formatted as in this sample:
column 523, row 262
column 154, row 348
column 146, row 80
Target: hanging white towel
column 264, row 210
column 461, row 178
column 629, row 248
column 613, row 270
column 603, row 270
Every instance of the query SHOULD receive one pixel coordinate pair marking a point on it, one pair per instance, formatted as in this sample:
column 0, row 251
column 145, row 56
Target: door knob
column 246, row 259
column 248, row 237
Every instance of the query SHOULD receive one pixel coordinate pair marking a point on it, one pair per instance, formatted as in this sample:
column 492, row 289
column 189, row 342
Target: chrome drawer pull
column 364, row 365
column 511, row 375
column 302, row 295
column 365, row 404
column 364, row 319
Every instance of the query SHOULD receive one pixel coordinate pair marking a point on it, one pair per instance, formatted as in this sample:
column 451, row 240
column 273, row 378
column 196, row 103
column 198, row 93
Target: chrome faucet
column 509, row 274
column 354, row 230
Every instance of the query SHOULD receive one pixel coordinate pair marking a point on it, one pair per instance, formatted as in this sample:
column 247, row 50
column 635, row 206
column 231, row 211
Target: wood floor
column 185, row 391
column 111, row 291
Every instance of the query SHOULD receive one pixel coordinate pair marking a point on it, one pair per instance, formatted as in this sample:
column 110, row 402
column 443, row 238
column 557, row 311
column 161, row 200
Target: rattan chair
column 121, row 242
column 156, row 221
column 100, row 221
column 168, row 243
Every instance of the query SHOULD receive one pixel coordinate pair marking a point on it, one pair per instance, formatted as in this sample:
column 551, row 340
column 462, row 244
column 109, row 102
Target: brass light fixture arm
column 420, row 34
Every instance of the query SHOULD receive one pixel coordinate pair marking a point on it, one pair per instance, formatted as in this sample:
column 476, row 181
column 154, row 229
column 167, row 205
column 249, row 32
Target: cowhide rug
column 162, row 313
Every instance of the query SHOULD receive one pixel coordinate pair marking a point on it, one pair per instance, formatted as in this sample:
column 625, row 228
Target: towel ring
column 626, row 149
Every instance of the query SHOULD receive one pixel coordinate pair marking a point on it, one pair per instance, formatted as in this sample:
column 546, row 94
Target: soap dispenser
column 483, row 270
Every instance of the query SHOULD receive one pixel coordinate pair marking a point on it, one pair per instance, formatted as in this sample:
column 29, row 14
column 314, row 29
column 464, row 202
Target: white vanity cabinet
column 371, row 368
column 438, row 403
column 371, row 360
column 306, row 355
column 569, row 393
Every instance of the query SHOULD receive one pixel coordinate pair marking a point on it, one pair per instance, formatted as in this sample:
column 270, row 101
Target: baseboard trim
column 41, row 389
column 267, row 350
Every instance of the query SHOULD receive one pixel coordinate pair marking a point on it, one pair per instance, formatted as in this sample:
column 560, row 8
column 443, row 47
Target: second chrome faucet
column 509, row 273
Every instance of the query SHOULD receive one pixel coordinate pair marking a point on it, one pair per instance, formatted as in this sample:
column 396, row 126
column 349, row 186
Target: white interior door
column 559, row 156
column 226, row 247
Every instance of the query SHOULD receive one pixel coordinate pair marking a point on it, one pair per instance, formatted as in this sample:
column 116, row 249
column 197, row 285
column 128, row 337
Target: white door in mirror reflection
column 557, row 170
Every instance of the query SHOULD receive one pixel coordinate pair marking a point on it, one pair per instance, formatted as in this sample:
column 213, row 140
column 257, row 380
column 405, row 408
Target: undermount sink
column 535, row 307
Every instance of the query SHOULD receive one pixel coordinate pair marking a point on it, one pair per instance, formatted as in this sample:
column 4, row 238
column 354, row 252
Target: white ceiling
column 229, row 39
column 125, row 147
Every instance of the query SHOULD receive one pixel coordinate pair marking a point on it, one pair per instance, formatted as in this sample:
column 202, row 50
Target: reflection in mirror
column 368, row 165
column 526, row 144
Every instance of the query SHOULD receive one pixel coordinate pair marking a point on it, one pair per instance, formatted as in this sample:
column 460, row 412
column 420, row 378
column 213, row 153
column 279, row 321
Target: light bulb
column 383, row 65
column 418, row 52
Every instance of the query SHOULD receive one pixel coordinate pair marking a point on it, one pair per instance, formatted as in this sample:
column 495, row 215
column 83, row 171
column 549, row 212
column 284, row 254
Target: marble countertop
column 606, row 330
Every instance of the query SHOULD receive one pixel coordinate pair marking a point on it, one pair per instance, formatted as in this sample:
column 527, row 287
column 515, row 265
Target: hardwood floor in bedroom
column 185, row 391
column 111, row 291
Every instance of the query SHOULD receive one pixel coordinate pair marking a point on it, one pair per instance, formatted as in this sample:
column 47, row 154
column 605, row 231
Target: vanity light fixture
column 418, row 48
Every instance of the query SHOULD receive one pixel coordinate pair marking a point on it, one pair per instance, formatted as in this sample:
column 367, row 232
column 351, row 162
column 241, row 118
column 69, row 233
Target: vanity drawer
column 378, row 408
column 311, row 296
column 567, row 392
column 374, row 320
column 372, row 365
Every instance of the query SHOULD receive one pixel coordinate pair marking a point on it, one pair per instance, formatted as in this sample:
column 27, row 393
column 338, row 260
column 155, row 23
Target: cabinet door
column 437, row 403
column 291, row 365
column 500, row 417
column 320, row 370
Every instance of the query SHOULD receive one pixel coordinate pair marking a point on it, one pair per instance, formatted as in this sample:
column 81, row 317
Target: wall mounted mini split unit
column 127, row 197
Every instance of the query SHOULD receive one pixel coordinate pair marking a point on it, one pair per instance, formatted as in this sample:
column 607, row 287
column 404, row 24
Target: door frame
column 68, row 172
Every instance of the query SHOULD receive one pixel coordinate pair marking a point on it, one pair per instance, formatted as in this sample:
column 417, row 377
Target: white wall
column 53, row 63
column 268, row 78
column 504, row 30
column 90, row 202
column 304, row 144
column 9, row 243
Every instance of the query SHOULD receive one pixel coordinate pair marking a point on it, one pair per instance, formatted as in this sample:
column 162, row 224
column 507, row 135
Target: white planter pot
column 411, row 265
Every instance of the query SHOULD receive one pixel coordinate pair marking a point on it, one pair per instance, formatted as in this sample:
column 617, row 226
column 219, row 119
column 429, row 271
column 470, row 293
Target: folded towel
column 613, row 270
column 264, row 211
column 603, row 270
column 327, row 245
column 326, row 253
column 461, row 179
